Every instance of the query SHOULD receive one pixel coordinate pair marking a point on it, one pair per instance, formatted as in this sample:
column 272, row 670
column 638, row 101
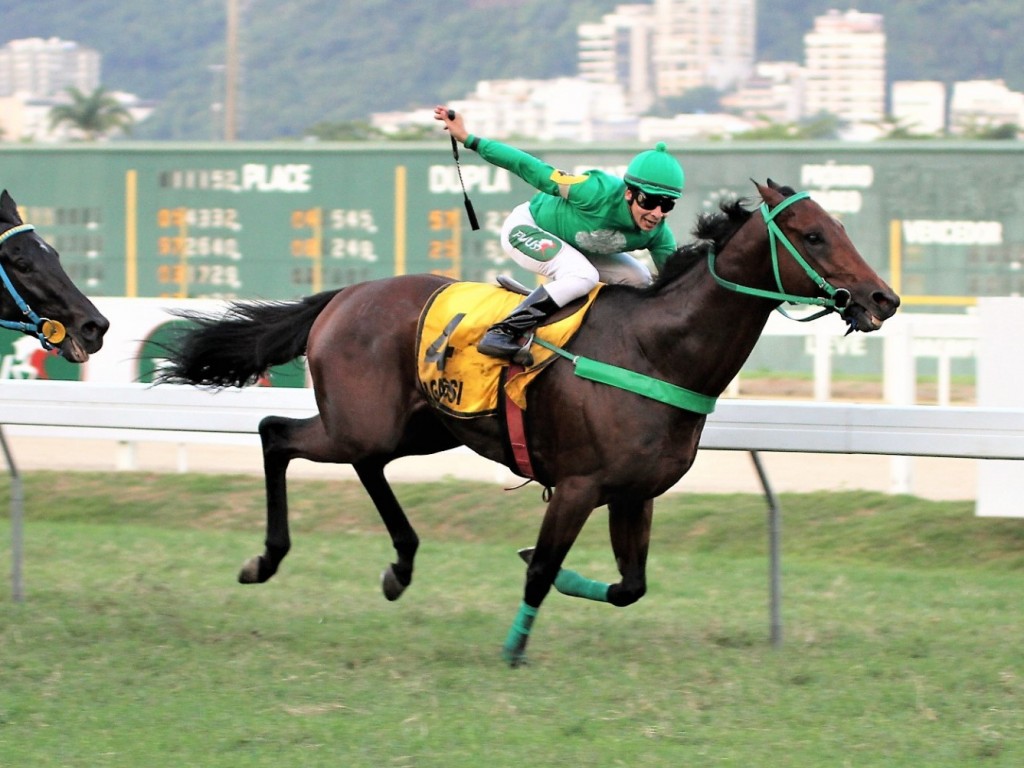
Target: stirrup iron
column 524, row 356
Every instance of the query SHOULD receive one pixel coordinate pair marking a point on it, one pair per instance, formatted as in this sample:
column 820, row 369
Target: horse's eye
column 814, row 238
column 24, row 266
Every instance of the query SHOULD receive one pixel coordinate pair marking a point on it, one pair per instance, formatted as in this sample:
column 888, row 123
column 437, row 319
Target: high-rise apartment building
column 845, row 63
column 619, row 50
column 703, row 43
column 41, row 69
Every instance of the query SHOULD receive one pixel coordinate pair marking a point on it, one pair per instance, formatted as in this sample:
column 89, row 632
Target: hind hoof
column 255, row 571
column 391, row 584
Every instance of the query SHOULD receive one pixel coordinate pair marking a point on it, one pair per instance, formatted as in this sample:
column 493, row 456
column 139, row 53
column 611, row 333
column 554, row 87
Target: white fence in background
column 907, row 338
column 109, row 402
column 746, row 425
column 132, row 410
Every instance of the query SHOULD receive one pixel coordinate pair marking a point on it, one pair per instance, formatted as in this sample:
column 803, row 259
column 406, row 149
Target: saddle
column 455, row 377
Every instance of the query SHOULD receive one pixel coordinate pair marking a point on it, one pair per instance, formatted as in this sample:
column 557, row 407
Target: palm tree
column 95, row 115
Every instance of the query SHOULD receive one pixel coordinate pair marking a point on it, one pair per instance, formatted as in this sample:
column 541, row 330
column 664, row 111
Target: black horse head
column 37, row 297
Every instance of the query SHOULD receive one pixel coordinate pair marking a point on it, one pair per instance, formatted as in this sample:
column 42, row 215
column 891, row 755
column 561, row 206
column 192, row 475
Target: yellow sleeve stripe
column 561, row 177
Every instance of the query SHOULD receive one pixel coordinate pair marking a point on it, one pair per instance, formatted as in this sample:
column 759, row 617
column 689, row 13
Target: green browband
column 638, row 383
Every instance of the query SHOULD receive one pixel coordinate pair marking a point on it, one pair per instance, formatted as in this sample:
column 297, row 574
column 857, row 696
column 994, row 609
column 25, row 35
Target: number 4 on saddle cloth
column 455, row 377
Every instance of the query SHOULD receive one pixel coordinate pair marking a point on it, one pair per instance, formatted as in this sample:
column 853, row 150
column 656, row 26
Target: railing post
column 943, row 394
column 822, row 363
column 17, row 519
column 774, row 553
column 899, row 384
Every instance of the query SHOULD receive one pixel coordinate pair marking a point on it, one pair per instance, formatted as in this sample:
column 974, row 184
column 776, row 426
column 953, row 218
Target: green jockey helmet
column 656, row 172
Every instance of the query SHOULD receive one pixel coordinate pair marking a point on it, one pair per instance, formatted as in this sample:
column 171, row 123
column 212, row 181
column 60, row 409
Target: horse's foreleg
column 398, row 575
column 573, row 584
column 278, row 436
column 629, row 522
column 567, row 512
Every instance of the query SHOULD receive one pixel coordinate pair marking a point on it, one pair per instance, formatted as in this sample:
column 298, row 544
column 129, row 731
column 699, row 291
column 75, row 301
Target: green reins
column 670, row 394
column 637, row 383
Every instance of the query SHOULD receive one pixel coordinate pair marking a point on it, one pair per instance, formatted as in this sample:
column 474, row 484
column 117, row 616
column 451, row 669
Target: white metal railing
column 754, row 426
column 135, row 411
column 907, row 338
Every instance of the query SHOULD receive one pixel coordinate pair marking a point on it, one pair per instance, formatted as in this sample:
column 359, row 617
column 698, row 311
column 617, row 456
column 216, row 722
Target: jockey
column 577, row 229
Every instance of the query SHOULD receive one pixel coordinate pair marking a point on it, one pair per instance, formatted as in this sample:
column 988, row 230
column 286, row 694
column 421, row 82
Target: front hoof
column 255, row 571
column 391, row 584
column 514, row 657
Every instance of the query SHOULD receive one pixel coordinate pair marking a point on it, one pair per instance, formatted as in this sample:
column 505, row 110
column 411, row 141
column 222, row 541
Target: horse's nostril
column 95, row 329
column 887, row 301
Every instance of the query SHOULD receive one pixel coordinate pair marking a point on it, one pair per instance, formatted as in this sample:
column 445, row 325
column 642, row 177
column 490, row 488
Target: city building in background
column 775, row 93
column 28, row 119
column 703, row 43
column 35, row 68
column 984, row 104
column 35, row 75
column 619, row 50
column 563, row 109
column 845, row 61
column 919, row 106
column 641, row 56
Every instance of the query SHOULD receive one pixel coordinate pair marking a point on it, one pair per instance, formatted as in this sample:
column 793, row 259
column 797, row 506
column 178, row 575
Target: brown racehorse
column 37, row 297
column 592, row 444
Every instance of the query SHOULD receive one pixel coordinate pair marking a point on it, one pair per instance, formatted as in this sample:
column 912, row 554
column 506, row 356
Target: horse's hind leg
column 283, row 439
column 398, row 575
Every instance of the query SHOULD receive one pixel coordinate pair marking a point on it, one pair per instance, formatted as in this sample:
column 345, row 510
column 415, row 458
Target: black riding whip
column 473, row 223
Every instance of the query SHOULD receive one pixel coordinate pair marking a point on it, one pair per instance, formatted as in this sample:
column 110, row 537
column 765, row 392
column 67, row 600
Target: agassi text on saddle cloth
column 459, row 380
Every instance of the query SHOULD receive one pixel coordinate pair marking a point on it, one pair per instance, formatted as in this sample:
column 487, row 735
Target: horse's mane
column 713, row 230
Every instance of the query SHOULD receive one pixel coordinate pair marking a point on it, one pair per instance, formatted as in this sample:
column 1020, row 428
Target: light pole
column 216, row 100
column 231, row 71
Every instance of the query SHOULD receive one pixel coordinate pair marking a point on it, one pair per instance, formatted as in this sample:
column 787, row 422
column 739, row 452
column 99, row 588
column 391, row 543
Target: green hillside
column 307, row 61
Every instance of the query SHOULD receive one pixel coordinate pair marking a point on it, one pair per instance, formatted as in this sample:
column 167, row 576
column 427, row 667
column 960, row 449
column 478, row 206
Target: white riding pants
column 570, row 274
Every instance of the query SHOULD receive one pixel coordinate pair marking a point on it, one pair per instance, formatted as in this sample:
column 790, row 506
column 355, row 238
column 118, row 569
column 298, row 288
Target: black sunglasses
column 650, row 202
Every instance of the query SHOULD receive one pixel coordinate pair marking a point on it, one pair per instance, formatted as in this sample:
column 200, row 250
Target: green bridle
column 838, row 299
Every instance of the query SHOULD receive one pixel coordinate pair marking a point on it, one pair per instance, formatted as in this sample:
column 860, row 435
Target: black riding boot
column 502, row 339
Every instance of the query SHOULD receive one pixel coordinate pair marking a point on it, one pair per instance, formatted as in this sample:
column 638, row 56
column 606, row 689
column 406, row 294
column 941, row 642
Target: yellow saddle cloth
column 459, row 380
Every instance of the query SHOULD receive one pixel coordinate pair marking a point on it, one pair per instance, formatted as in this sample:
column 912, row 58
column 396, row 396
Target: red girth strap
column 517, row 429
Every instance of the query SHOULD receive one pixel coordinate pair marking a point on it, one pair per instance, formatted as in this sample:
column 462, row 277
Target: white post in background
column 822, row 363
column 124, row 460
column 900, row 388
column 1000, row 385
column 944, row 385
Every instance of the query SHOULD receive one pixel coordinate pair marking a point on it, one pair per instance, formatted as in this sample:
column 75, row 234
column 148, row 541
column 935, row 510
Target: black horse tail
column 235, row 348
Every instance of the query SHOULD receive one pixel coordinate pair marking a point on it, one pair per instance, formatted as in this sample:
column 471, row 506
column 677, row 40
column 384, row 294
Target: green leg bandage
column 514, row 650
column 572, row 584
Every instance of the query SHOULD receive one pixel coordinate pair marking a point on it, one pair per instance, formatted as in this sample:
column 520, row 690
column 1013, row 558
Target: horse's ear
column 769, row 193
column 9, row 209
